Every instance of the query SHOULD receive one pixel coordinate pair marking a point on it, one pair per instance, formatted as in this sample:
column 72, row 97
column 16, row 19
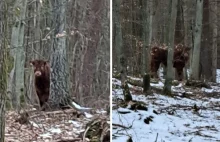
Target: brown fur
column 42, row 80
column 180, row 58
column 158, row 56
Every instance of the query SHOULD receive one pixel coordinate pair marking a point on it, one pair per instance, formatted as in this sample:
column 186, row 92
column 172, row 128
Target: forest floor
column 56, row 126
column 193, row 117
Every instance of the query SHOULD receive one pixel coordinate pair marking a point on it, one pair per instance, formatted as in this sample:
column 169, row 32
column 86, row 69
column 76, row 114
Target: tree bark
column 206, row 40
column 147, row 18
column 59, row 75
column 197, row 41
column 214, row 28
column 169, row 75
column 121, row 52
column 3, row 68
column 118, row 34
column 17, row 39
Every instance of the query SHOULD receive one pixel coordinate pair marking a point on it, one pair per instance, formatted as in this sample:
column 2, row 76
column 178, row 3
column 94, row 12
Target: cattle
column 41, row 79
column 159, row 56
column 180, row 59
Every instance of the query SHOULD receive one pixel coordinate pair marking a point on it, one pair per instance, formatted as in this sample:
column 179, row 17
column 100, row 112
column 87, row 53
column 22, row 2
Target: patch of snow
column 123, row 109
column 76, row 105
column 55, row 130
column 207, row 90
column 77, row 131
column 159, row 84
column 35, row 125
column 88, row 115
column 116, row 81
column 184, row 125
column 79, row 107
column 216, row 88
column 188, row 72
column 178, row 88
column 190, row 93
column 218, row 75
column 101, row 111
column 75, row 123
column 46, row 135
column 135, row 78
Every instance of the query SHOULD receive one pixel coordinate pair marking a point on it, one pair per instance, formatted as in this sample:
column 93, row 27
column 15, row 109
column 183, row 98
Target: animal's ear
column 32, row 63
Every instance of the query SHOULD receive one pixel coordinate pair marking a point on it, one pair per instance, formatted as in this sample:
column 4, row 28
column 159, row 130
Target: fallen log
column 198, row 83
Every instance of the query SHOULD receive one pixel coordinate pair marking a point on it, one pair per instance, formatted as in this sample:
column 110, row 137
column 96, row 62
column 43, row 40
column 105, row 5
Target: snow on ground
column 176, row 121
column 218, row 75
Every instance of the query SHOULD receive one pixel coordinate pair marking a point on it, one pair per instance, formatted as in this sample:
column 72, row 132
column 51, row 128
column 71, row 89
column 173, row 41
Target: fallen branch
column 198, row 83
column 119, row 125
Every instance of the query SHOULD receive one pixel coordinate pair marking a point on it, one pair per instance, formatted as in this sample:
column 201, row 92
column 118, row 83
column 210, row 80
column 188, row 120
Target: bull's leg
column 179, row 74
column 154, row 68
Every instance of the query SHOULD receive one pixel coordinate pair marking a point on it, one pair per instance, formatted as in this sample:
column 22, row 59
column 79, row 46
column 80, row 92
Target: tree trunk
column 147, row 18
column 3, row 68
column 214, row 28
column 179, row 29
column 121, row 52
column 59, row 75
column 169, row 75
column 118, row 34
column 197, row 41
column 206, row 49
column 17, row 41
column 3, row 88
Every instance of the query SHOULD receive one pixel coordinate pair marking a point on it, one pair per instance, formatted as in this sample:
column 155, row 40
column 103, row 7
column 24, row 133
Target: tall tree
column 214, row 28
column 17, row 42
column 147, row 17
column 179, row 30
column 169, row 75
column 3, row 67
column 118, row 34
column 197, row 40
column 121, row 51
column 59, row 76
column 206, row 40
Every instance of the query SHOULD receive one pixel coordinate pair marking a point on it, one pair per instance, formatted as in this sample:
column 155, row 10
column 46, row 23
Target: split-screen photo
column 109, row 71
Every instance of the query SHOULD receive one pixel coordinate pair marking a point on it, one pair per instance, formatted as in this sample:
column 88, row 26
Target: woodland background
column 138, row 24
column 26, row 34
column 75, row 37
column 147, row 109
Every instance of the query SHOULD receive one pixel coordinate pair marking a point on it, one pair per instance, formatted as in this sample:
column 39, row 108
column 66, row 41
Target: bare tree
column 169, row 75
column 121, row 51
column 3, row 67
column 147, row 18
column 197, row 41
column 17, row 43
column 59, row 76
column 214, row 28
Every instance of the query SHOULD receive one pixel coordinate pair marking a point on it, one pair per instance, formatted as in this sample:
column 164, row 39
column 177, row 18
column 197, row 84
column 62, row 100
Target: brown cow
column 180, row 58
column 42, row 80
column 158, row 56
